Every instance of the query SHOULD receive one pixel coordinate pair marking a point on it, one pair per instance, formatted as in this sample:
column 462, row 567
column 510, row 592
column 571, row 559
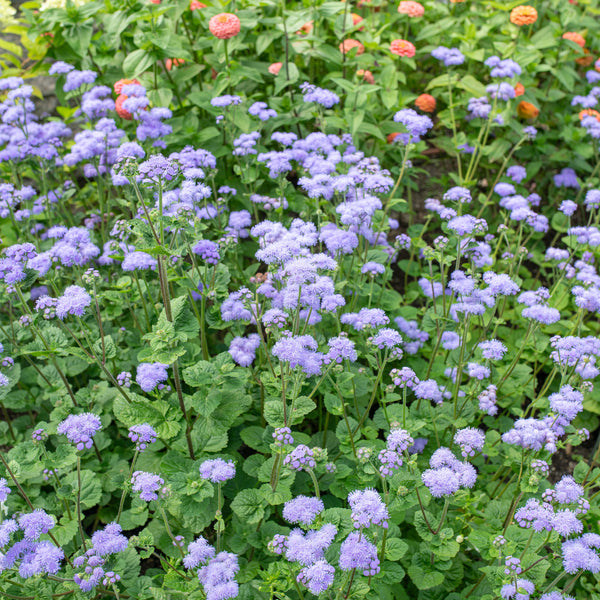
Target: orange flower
column 356, row 19
column 519, row 89
column 392, row 136
column 155, row 1
column 349, row 43
column 306, row 28
column 224, row 26
column 366, row 76
column 402, row 48
column 411, row 8
column 175, row 62
column 456, row 1
column 589, row 112
column 426, row 103
column 275, row 68
column 526, row 110
column 118, row 86
column 124, row 114
column 574, row 37
column 523, row 15
column 195, row 5
column 585, row 60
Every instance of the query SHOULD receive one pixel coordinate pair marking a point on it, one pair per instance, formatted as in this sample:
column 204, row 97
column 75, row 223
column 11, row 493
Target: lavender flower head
column 218, row 577
column 318, row 577
column 74, row 301
column 449, row 56
column 199, row 553
column 147, row 485
column 80, row 429
column 283, row 436
column 149, row 375
column 4, row 490
column 217, row 470
column 357, row 552
column 470, row 440
column 35, row 523
column 142, row 435
column 300, row 459
column 303, row 510
column 368, row 508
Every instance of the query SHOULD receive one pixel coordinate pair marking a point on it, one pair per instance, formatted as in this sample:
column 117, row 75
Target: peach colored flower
column 586, row 60
column 426, row 103
column 195, row 5
column 356, row 19
column 392, row 136
column 366, row 76
column 275, row 68
column 124, row 114
column 456, row 1
column 118, row 86
column 224, row 26
column 155, row 1
column 306, row 28
column 523, row 15
column 411, row 8
column 175, row 62
column 349, row 43
column 574, row 37
column 519, row 89
column 402, row 48
column 526, row 110
column 589, row 112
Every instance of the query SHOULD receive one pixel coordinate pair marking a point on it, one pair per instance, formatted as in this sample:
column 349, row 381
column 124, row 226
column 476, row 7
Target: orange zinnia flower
column 589, row 112
column 174, row 62
column 456, row 1
column 366, row 76
column 275, row 68
column 526, row 110
column 356, row 19
column 118, row 86
column 349, row 43
column 519, row 89
column 426, row 103
column 523, row 15
column 124, row 114
column 392, row 136
column 224, row 26
column 306, row 28
column 411, row 8
column 195, row 5
column 585, row 60
column 402, row 48
column 574, row 37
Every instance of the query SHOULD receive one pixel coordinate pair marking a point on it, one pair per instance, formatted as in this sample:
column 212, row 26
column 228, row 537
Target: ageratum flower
column 149, row 375
column 303, row 510
column 243, row 349
column 109, row 540
column 308, row 548
column 319, row 95
column 74, row 301
column 80, row 429
column 357, row 552
column 35, row 523
column 147, row 484
column 318, row 577
column 449, row 56
column 4, row 490
column 300, row 459
column 217, row 470
column 368, row 508
column 199, row 552
column 521, row 589
column 470, row 441
column 142, row 435
column 218, row 577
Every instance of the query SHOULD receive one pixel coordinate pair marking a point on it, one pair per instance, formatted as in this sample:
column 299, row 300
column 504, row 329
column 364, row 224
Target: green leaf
column 248, row 505
column 91, row 490
column 136, row 63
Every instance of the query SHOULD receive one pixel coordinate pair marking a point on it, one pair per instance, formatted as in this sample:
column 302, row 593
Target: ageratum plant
column 241, row 376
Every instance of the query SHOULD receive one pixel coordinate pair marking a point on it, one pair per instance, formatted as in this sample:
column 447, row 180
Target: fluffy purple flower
column 149, row 375
column 139, row 261
column 199, row 552
column 299, row 351
column 74, row 301
column 319, row 95
column 109, row 540
column 208, row 251
column 487, row 400
column 243, row 349
column 357, row 552
column 470, row 440
column 80, row 429
column 340, row 349
column 318, row 577
column 542, row 314
column 449, row 56
column 365, row 317
column 567, row 178
column 283, row 436
column 582, row 553
column 218, row 577
column 4, row 490
column 301, row 458
column 147, row 484
column 35, row 523
column 520, row 590
column 142, row 435
column 390, row 461
column 441, row 482
column 492, row 349
column 226, row 100
column 428, row 389
column 368, row 508
column 308, row 548
column 504, row 91
column 302, row 509
column 417, row 125
column 217, row 470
